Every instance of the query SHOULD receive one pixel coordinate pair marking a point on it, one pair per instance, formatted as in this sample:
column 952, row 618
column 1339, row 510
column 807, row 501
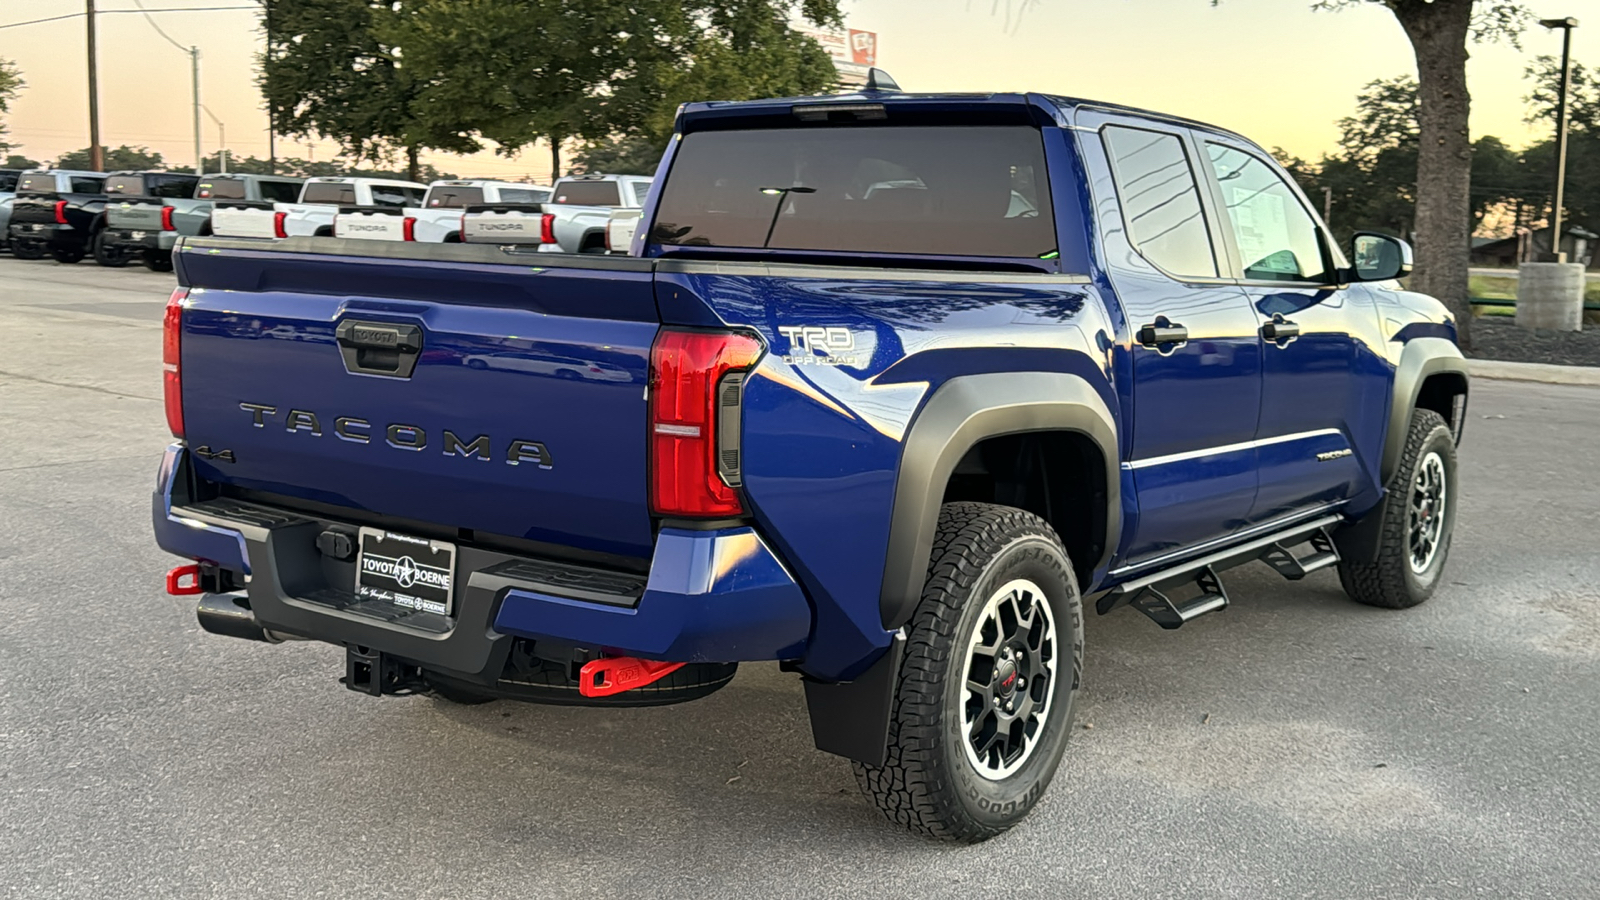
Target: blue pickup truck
column 890, row 386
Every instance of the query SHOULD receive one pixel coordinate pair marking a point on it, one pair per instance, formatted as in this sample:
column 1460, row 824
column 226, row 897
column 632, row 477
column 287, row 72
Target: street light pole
column 194, row 74
column 1566, row 25
column 97, row 160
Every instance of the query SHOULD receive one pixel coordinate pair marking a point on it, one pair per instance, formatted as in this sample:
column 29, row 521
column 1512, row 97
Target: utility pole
column 1566, row 25
column 97, row 160
column 194, row 71
column 272, row 154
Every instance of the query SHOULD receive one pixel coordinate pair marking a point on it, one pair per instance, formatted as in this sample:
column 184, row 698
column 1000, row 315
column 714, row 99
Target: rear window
column 179, row 187
column 947, row 191
column 221, row 189
column 38, row 184
column 330, row 193
column 587, row 193
column 454, row 197
column 81, row 184
column 124, row 185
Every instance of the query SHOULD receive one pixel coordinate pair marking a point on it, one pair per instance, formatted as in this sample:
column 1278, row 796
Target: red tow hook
column 615, row 674
column 184, row 580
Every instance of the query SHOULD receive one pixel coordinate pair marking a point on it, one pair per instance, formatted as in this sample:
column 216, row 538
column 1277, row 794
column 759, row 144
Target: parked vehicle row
column 123, row 217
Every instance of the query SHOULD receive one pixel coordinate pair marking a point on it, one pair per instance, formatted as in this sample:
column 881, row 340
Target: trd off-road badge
column 814, row 345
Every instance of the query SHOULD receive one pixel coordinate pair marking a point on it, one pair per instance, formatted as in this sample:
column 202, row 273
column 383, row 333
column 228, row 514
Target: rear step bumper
column 710, row 596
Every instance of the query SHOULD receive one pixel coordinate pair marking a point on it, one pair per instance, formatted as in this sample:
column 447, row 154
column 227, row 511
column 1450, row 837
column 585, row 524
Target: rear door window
column 221, row 189
column 1160, row 200
column 454, row 197
column 587, row 193
column 392, row 197
column 937, row 190
column 330, row 193
column 278, row 191
column 82, row 184
column 174, row 186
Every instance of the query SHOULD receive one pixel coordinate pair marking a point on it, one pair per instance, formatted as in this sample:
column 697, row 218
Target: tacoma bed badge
column 812, row 345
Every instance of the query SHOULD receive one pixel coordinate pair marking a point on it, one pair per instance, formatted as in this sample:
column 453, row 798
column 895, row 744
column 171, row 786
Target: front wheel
column 1419, row 516
column 984, row 697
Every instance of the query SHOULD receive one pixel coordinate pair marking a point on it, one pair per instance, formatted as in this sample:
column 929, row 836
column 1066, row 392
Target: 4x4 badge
column 205, row 452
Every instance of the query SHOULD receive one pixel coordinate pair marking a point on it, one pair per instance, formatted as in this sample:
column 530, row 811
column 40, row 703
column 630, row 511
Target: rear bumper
column 50, row 233
column 710, row 596
column 129, row 240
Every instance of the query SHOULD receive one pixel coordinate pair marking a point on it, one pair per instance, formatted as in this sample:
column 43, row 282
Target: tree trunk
column 555, row 158
column 1438, row 33
column 413, row 168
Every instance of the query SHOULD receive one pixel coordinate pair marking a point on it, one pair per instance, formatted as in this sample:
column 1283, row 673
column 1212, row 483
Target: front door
column 1324, row 394
column 1196, row 354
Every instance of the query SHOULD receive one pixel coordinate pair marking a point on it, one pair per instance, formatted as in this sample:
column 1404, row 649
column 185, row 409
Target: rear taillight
column 609, row 248
column 461, row 230
column 278, row 229
column 61, row 212
column 408, row 229
column 166, row 219
column 696, row 388
column 172, row 372
column 547, row 228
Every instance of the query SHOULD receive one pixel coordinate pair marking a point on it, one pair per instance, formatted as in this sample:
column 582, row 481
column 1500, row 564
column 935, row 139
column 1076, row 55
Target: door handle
column 1280, row 330
column 1155, row 335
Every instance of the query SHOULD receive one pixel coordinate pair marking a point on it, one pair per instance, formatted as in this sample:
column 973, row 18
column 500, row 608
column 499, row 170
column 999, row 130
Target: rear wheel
column 158, row 260
column 984, row 698
column 1419, row 515
column 27, row 250
column 106, row 253
column 67, row 257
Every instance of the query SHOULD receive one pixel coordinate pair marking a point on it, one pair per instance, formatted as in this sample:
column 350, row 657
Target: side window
column 1277, row 238
column 176, row 186
column 280, row 191
column 388, row 196
column 1160, row 200
column 414, row 196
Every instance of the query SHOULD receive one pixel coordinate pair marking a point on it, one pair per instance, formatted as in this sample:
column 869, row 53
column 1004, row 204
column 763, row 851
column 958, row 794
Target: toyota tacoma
column 890, row 389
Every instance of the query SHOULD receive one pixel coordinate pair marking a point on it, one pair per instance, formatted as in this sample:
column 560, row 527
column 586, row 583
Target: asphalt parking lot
column 1296, row 745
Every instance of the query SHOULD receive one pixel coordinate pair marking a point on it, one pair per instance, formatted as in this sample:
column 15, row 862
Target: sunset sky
column 1272, row 69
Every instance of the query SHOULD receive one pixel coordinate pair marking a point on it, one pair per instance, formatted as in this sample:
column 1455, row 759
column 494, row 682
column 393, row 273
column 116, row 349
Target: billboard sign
column 853, row 51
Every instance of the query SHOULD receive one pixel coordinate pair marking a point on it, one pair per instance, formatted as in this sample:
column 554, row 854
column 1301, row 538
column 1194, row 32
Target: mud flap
column 851, row 719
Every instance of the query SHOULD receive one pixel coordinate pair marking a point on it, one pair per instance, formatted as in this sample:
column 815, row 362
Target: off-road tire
column 1389, row 581
column 27, row 250
column 158, row 260
column 67, row 257
column 928, row 783
column 104, row 255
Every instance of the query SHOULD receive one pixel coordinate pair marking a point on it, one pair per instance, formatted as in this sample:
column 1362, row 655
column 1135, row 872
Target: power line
column 146, row 12
column 108, row 12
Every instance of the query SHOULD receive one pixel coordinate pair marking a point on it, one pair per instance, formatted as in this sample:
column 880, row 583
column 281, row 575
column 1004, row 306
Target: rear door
column 1325, row 391
column 444, row 391
column 1196, row 388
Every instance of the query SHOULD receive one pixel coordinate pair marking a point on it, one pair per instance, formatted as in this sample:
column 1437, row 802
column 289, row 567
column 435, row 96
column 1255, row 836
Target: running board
column 1148, row 593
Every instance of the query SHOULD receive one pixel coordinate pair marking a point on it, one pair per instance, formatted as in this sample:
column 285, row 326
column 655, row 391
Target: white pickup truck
column 320, row 202
column 574, row 220
column 438, row 220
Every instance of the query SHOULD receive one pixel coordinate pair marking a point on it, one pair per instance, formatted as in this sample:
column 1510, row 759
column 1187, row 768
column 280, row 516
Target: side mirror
column 1379, row 257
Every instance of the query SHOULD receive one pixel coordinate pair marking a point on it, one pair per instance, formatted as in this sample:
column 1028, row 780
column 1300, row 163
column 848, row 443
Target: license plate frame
column 405, row 571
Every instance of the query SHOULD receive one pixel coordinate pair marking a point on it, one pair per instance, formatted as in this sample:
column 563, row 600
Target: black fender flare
column 963, row 411
column 1421, row 358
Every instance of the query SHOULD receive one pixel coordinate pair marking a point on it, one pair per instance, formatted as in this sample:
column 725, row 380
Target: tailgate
column 241, row 218
column 35, row 209
column 503, row 223
column 470, row 390
column 370, row 224
column 134, row 215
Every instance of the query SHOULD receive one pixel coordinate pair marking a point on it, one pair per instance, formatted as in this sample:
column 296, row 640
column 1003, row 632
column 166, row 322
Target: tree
column 329, row 71
column 18, row 161
column 600, row 70
column 121, row 159
column 620, row 156
column 11, row 84
column 1439, row 31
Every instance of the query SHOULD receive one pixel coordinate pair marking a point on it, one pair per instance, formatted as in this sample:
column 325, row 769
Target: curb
column 1539, row 372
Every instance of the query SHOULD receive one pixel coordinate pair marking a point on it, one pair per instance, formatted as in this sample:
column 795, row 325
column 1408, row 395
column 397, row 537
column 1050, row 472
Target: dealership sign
column 853, row 52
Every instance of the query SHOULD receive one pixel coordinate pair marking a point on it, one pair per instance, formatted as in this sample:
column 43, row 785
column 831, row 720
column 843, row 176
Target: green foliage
column 298, row 168
column 18, row 161
column 620, row 156
column 119, row 159
column 11, row 84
